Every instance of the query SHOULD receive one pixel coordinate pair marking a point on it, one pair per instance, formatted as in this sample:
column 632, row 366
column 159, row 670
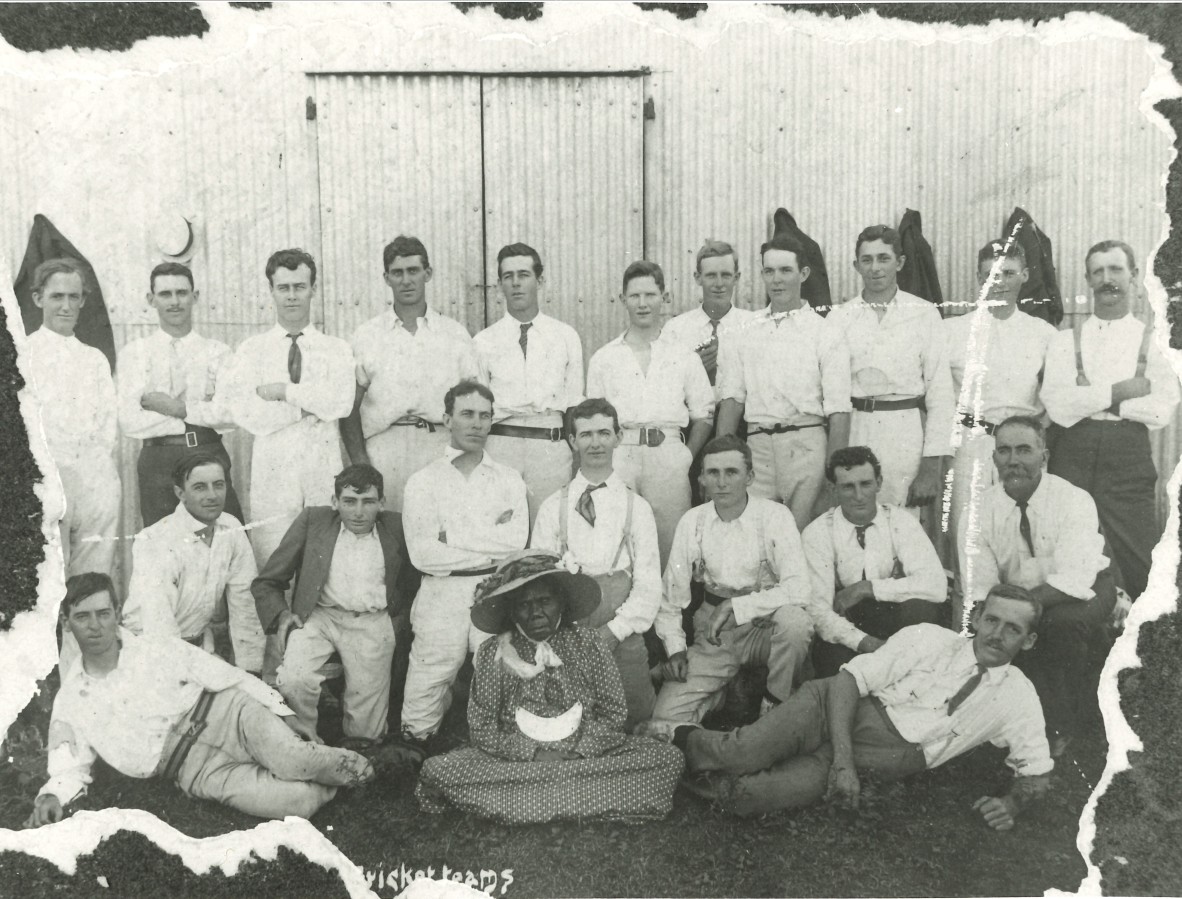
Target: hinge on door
column 310, row 110
column 650, row 110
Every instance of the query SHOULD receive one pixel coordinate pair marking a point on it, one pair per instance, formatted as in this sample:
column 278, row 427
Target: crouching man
column 159, row 706
column 926, row 696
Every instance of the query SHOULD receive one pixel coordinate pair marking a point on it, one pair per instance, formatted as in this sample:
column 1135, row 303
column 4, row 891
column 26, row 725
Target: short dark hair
column 519, row 249
column 1013, row 591
column 466, row 387
column 63, row 265
column 85, row 585
column 595, row 405
column 165, row 269
column 404, row 246
column 360, row 477
column 642, row 268
column 788, row 244
column 851, row 457
column 290, row 259
column 885, row 233
column 1026, row 421
column 713, row 248
column 184, row 468
column 1105, row 245
column 728, row 443
column 998, row 249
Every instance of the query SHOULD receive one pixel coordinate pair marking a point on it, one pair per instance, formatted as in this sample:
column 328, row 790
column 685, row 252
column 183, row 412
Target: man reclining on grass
column 926, row 696
column 159, row 706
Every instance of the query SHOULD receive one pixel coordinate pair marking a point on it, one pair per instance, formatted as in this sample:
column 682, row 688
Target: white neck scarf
column 544, row 656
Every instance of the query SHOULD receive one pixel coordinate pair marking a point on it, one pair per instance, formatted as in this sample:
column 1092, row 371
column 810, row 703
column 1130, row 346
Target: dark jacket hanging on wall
column 919, row 275
column 94, row 326
column 1040, row 295
column 816, row 289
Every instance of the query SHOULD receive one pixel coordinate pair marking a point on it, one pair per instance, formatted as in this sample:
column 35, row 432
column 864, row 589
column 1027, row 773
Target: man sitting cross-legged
column 158, row 706
column 927, row 696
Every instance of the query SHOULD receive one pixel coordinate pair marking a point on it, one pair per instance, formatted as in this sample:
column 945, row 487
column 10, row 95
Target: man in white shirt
column 924, row 698
column 167, row 388
column 658, row 388
column 787, row 372
column 1040, row 532
column 1107, row 386
column 156, row 706
column 611, row 534
column 288, row 387
column 464, row 514
column 700, row 329
column 996, row 355
column 193, row 561
column 534, row 364
column 899, row 365
column 872, row 563
column 353, row 577
column 76, row 395
column 406, row 358
column 745, row 552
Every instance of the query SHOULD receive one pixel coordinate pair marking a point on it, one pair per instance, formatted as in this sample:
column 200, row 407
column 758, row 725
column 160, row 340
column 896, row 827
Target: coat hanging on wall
column 816, row 289
column 1040, row 295
column 919, row 275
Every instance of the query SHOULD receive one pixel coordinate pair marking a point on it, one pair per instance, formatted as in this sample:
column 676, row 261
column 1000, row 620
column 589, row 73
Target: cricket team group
column 418, row 494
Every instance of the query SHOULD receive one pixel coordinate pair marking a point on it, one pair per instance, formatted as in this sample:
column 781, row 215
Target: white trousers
column 661, row 475
column 88, row 527
column 545, row 465
column 398, row 452
column 365, row 642
column 790, row 469
column 897, row 440
column 443, row 637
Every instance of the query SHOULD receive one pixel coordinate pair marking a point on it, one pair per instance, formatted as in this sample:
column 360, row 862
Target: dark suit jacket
column 919, row 275
column 305, row 553
column 1040, row 295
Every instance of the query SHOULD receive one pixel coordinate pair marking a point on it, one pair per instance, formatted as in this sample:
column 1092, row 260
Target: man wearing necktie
column 611, row 534
column 925, row 697
column 872, row 563
column 194, row 567
column 1040, row 532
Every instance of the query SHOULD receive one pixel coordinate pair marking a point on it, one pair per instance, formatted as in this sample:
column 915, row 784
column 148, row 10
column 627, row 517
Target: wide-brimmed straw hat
column 490, row 610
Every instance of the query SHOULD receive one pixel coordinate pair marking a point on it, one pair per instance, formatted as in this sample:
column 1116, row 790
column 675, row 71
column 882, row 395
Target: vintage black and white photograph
column 570, row 449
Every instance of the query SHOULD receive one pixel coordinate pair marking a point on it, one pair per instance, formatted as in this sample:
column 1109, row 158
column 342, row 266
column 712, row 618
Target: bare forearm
column 730, row 412
column 351, row 433
column 839, row 432
column 699, row 433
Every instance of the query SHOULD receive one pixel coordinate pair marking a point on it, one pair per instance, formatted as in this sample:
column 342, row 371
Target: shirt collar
column 1035, row 497
column 509, row 323
column 344, row 531
column 849, row 526
column 167, row 338
column 745, row 515
column 579, row 482
column 450, row 453
column 426, row 320
column 187, row 524
column 58, row 339
column 966, row 658
column 279, row 331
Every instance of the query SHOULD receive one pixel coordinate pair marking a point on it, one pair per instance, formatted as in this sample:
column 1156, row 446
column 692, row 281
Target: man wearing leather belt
column 464, row 514
column 406, row 359
column 534, row 365
column 168, row 398
column 871, row 563
column 160, row 707
column 746, row 553
column 1107, row 386
column 788, row 373
column 658, row 388
column 996, row 355
column 611, row 534
column 900, row 368
column 926, row 697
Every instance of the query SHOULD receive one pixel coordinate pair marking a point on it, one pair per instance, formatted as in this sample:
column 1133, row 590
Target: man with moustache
column 1106, row 387
column 288, row 387
column 1040, row 532
column 787, row 372
column 899, row 367
column 76, row 397
column 658, row 388
column 464, row 514
column 167, row 388
column 534, row 364
column 407, row 358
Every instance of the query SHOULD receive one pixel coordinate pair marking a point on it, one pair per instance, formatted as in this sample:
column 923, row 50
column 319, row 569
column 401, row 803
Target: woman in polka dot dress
column 546, row 713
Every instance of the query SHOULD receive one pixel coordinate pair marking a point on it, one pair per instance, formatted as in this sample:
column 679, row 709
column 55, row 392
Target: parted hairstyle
column 728, row 443
column 595, row 405
column 83, row 586
column 403, row 245
column 885, row 233
column 787, row 243
column 851, row 457
column 360, row 477
column 1105, row 245
column 64, row 265
column 519, row 249
column 1026, row 421
column 1013, row 591
column 291, row 259
column 467, row 387
column 164, row 269
column 712, row 248
column 642, row 268
column 999, row 249
column 184, row 468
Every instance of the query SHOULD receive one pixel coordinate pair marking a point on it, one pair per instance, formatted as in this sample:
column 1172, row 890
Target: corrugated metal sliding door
column 564, row 173
column 398, row 155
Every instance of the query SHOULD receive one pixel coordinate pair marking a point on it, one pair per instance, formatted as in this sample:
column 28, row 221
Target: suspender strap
column 1143, row 353
column 563, row 540
column 1081, row 379
column 627, row 535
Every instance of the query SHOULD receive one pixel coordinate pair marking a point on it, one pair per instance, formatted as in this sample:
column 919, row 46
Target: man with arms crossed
column 407, row 358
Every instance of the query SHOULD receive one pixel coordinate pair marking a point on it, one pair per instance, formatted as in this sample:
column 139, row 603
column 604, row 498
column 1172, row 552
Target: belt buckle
column 190, row 440
column 655, row 436
column 871, row 401
column 555, row 435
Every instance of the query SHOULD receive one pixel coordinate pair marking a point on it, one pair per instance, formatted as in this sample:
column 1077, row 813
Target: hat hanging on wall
column 173, row 236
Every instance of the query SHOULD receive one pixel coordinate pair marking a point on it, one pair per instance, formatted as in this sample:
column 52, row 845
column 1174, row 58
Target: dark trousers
column 154, row 472
column 878, row 619
column 1058, row 663
column 1111, row 461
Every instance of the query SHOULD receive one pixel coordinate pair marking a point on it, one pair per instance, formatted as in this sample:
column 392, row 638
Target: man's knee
column 793, row 625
